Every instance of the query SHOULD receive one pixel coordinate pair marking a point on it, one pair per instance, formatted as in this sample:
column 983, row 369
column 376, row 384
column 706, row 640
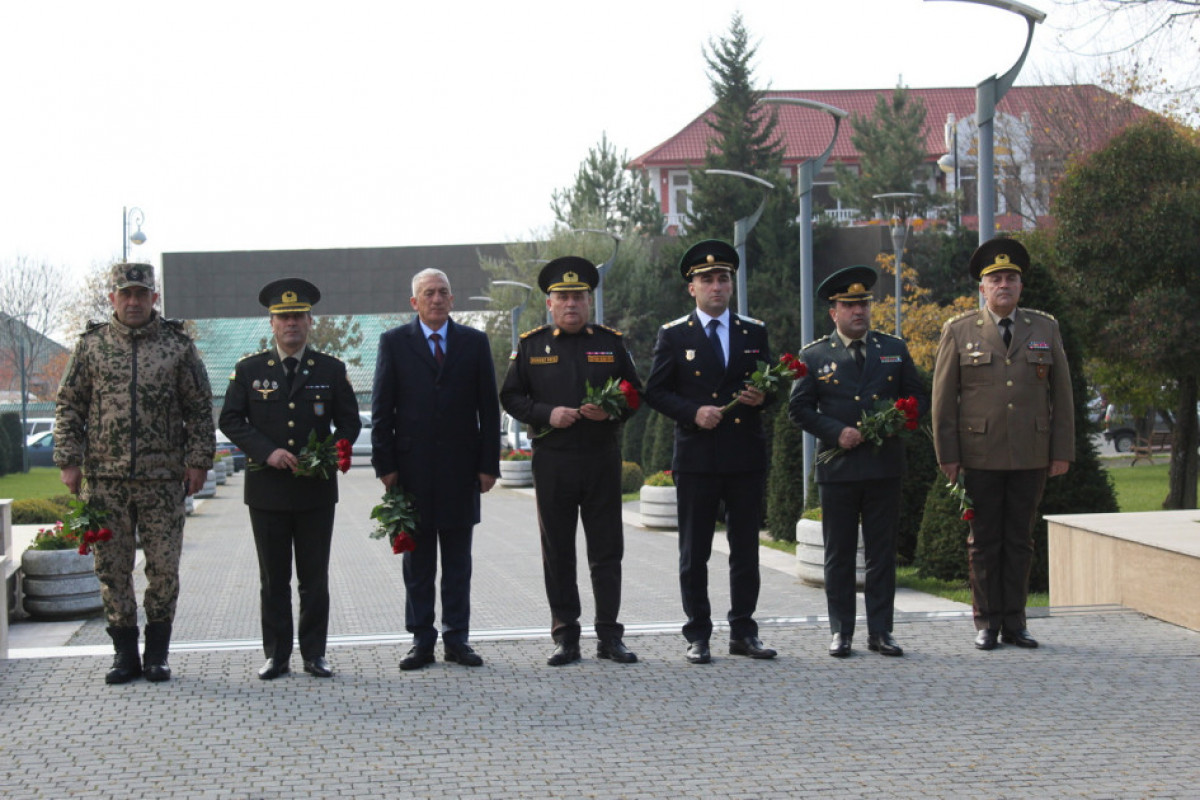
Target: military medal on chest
column 265, row 387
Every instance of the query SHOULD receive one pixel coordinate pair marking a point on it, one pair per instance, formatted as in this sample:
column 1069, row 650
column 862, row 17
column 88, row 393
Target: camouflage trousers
column 150, row 513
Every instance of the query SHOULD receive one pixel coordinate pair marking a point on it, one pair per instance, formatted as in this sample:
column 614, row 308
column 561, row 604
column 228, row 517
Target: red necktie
column 438, row 353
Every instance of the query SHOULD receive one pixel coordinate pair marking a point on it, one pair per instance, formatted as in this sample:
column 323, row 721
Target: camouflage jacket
column 134, row 403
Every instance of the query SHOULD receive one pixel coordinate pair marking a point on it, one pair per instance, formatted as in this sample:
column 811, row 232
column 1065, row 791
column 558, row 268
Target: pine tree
column 622, row 200
column 890, row 143
column 785, row 496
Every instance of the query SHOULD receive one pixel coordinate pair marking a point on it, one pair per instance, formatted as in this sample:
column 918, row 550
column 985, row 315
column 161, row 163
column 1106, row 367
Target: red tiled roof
column 806, row 131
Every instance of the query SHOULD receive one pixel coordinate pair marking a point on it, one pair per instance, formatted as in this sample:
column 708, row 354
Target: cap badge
column 856, row 288
column 1002, row 258
column 289, row 297
column 570, row 277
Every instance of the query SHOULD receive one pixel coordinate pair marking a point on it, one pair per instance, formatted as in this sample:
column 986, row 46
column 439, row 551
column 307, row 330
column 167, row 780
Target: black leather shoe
column 416, row 658
column 318, row 668
column 986, row 639
column 272, row 669
column 462, row 654
column 884, row 644
column 1021, row 638
column 697, row 652
column 564, row 653
column 750, row 646
column 616, row 650
column 840, row 646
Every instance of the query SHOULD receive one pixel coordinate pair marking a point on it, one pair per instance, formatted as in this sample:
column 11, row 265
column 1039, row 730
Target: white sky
column 281, row 125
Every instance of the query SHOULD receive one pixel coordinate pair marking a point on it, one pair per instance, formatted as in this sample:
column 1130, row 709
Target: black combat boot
column 154, row 661
column 126, row 665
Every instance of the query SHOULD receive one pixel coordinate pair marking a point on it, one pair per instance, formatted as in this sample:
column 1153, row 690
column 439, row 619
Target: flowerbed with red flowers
column 888, row 419
column 396, row 516
column 83, row 528
column 769, row 378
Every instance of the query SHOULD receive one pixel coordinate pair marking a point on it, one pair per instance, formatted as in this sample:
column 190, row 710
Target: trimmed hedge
column 631, row 477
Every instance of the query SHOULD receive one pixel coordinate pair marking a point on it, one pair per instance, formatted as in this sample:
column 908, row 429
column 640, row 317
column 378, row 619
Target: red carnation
column 103, row 535
column 403, row 543
column 910, row 425
column 344, row 463
column 631, row 395
column 84, row 549
column 969, row 514
column 344, row 447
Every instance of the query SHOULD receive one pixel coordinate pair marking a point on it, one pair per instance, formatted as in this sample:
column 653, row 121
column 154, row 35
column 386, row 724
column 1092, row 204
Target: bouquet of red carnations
column 888, row 419
column 767, row 378
column 320, row 458
column 613, row 396
column 397, row 518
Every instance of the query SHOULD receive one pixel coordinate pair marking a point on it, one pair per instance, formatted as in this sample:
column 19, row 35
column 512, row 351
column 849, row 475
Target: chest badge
column 827, row 372
column 265, row 387
column 690, row 355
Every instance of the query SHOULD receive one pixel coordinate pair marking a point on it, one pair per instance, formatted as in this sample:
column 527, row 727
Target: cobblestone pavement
column 1104, row 709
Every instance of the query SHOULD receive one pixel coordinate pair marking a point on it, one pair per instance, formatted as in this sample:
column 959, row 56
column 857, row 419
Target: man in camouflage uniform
column 134, row 417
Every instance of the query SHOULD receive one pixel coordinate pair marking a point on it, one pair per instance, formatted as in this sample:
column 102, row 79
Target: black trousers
column 698, row 495
column 877, row 504
column 277, row 534
column 420, row 578
column 570, row 486
column 1000, row 547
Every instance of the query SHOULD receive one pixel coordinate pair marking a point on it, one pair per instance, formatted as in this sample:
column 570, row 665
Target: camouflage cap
column 125, row 275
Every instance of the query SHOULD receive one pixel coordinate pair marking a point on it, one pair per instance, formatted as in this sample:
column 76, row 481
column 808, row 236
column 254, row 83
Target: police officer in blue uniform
column 850, row 371
column 701, row 363
column 274, row 400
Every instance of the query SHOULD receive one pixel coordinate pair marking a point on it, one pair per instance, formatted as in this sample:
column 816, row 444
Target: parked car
column 362, row 445
column 41, row 449
column 37, row 425
column 513, row 434
column 230, row 449
column 1119, row 428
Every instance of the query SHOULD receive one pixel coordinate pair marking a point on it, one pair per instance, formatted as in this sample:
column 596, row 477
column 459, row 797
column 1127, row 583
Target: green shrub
column 658, row 444
column 785, row 496
column 36, row 511
column 63, row 501
column 12, row 434
column 633, row 433
column 662, row 478
column 942, row 539
column 631, row 477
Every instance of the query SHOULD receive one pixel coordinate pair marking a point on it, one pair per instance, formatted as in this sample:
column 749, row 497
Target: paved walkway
column 1105, row 709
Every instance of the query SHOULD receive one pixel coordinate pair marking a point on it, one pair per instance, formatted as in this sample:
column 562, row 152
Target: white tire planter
column 516, row 473
column 810, row 555
column 658, row 506
column 60, row 584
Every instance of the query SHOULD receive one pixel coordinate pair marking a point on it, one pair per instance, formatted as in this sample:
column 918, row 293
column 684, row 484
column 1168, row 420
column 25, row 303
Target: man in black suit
column 850, row 371
column 274, row 400
column 701, row 363
column 435, row 421
column 576, row 455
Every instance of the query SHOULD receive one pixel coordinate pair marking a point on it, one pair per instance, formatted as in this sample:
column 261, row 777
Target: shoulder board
column 606, row 328
column 752, row 320
column 177, row 324
column 679, row 321
column 886, row 335
column 824, row 338
column 253, row 355
column 93, row 326
column 535, row 330
column 1039, row 313
column 963, row 315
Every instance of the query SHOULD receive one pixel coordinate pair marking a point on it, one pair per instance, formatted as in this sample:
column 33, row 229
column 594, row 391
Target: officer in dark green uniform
column 576, row 456
column 274, row 400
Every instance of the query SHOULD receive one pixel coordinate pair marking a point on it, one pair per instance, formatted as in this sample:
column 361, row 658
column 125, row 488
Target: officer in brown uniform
column 1003, row 419
column 576, row 455
column 134, row 418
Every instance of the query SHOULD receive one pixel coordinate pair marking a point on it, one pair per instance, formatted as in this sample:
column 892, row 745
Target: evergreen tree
column 622, row 200
column 745, row 138
column 890, row 143
column 785, row 496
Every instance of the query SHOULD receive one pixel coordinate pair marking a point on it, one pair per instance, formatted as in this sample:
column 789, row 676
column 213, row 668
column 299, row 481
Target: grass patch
column 783, row 547
column 38, row 482
column 907, row 578
column 1142, row 487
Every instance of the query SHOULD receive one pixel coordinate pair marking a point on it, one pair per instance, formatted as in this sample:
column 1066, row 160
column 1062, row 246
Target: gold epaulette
column 252, row 355
column 1039, row 313
column 535, row 330
column 675, row 322
column 606, row 328
column 824, row 338
column 962, row 315
column 888, row 335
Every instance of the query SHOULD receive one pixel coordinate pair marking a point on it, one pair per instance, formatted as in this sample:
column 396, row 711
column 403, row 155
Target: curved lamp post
column 899, row 237
column 987, row 95
column 806, row 172
column 135, row 216
column 602, row 268
column 515, row 313
column 741, row 232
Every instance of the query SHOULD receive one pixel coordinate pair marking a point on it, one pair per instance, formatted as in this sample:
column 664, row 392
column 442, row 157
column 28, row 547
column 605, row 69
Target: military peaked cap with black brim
column 849, row 284
column 995, row 255
column 568, row 274
column 289, row 296
column 710, row 255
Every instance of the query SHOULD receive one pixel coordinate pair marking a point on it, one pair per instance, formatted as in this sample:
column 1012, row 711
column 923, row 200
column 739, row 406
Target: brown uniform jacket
column 1001, row 410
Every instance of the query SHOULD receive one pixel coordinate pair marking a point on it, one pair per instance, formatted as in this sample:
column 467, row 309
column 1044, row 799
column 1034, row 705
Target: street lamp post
column 515, row 313
column 135, row 216
column 987, row 95
column 899, row 233
column 806, row 173
column 19, row 335
column 741, row 232
column 602, row 268
column 949, row 164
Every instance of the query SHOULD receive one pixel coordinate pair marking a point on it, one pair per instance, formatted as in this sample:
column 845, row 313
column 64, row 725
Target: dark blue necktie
column 1006, row 323
column 716, row 340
